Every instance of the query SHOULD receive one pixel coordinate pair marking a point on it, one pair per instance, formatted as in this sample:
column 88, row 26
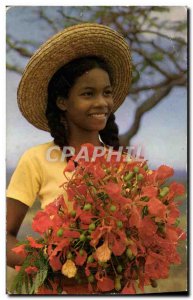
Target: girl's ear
column 61, row 103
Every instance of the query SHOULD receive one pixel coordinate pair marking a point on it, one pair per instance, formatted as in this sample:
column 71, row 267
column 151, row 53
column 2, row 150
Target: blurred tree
column 158, row 46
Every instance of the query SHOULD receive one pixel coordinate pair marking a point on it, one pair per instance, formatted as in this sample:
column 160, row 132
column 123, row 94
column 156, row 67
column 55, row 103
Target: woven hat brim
column 73, row 42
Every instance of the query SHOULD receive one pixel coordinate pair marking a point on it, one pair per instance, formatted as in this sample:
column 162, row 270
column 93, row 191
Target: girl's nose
column 101, row 101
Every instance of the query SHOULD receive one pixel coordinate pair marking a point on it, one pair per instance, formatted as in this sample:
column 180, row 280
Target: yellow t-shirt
column 39, row 174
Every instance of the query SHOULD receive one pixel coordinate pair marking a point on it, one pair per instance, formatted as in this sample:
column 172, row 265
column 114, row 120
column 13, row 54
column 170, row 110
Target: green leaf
column 144, row 211
column 135, row 75
column 25, row 284
column 157, row 56
column 160, row 8
column 39, row 279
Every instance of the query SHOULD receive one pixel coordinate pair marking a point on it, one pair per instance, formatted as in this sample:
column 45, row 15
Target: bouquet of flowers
column 122, row 232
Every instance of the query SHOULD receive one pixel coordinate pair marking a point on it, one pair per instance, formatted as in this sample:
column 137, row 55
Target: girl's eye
column 108, row 93
column 87, row 94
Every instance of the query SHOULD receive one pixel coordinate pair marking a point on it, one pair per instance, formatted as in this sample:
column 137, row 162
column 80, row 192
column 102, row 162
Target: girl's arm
column 16, row 212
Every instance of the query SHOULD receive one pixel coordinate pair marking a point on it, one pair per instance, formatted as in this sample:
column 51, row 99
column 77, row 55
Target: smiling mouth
column 100, row 116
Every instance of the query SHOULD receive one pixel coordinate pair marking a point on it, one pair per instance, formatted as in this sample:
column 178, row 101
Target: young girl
column 71, row 87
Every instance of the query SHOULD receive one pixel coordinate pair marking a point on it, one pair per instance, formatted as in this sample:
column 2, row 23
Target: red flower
column 88, row 266
column 89, row 151
column 61, row 246
column 105, row 284
column 81, row 189
column 41, row 222
column 99, row 172
column 71, row 234
column 135, row 217
column 33, row 243
column 149, row 191
column 55, row 262
column 86, row 217
column 80, row 258
column 20, row 250
column 98, row 233
column 129, row 288
column 118, row 247
column 156, row 208
column 173, row 213
column 17, row 268
column 31, row 270
column 49, row 291
column 176, row 189
column 112, row 189
column 70, row 166
column 71, row 193
column 147, row 228
column 156, row 266
column 163, row 172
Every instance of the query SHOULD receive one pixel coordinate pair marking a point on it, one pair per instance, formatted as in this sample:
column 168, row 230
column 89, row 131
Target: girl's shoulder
column 38, row 151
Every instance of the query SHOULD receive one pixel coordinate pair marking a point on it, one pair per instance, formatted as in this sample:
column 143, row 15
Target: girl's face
column 89, row 102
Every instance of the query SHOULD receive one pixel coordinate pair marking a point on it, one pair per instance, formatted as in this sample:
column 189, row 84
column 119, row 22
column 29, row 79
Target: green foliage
column 29, row 283
column 161, row 9
column 157, row 56
column 39, row 279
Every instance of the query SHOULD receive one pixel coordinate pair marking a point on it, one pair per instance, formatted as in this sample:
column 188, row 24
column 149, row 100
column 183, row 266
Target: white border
column 96, row 3
column 3, row 110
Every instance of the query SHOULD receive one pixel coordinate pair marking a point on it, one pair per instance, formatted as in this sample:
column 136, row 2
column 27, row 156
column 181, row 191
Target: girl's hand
column 16, row 212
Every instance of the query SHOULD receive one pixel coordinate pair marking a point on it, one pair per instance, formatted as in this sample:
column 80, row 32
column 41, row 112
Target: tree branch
column 169, row 54
column 50, row 22
column 70, row 18
column 14, row 68
column 21, row 50
column 176, row 78
column 178, row 40
column 147, row 105
column 151, row 62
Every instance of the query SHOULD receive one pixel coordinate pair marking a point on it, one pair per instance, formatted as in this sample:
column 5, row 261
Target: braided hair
column 60, row 85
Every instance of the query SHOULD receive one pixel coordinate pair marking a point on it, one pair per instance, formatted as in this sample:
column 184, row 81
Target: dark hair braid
column 57, row 128
column 60, row 85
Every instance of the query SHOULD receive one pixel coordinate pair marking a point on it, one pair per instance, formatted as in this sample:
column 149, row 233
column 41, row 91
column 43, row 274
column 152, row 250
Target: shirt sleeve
column 26, row 180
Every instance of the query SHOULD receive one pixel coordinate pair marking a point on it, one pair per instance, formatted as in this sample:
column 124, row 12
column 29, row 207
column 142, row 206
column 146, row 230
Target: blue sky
column 162, row 133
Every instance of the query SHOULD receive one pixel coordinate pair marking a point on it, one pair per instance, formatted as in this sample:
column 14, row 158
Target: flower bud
column 117, row 283
column 140, row 177
column 129, row 253
column 87, row 206
column 82, row 237
column 91, row 278
column 69, row 255
column 81, row 252
column 164, row 191
column 119, row 224
column 92, row 226
column 119, row 269
column 136, row 169
column 128, row 176
column 90, row 259
column 129, row 184
column 113, row 208
column 60, row 232
column 145, row 167
column 73, row 213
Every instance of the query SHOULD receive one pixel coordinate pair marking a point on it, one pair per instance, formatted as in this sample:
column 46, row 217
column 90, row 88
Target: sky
column 162, row 134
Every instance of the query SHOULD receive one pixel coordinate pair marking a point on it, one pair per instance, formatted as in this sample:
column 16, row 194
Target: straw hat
column 71, row 43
